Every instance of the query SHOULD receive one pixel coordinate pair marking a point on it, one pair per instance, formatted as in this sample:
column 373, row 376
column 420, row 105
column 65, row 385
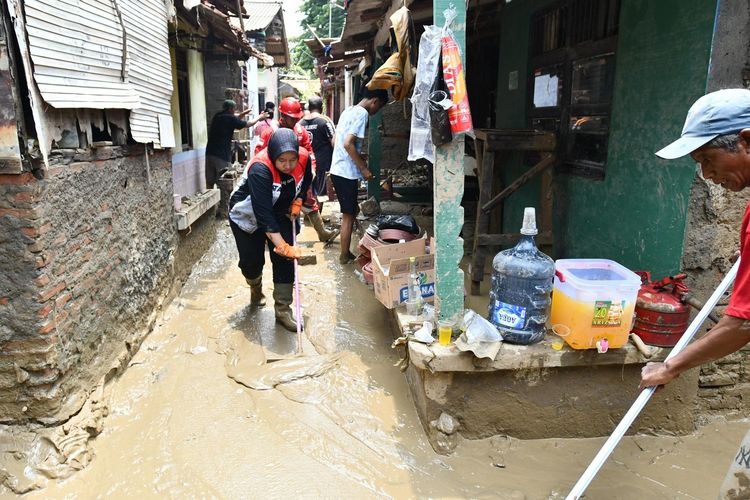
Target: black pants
column 252, row 252
column 319, row 183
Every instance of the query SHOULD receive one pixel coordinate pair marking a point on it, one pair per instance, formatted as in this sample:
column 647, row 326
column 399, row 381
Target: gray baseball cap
column 718, row 113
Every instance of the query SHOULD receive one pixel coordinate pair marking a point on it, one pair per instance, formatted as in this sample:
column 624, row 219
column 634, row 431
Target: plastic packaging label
column 427, row 289
column 607, row 313
column 508, row 315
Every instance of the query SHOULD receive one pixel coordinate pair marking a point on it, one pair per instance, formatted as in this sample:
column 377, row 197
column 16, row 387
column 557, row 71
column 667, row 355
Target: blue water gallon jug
column 522, row 279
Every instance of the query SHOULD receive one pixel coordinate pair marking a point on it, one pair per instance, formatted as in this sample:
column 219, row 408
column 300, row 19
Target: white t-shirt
column 352, row 121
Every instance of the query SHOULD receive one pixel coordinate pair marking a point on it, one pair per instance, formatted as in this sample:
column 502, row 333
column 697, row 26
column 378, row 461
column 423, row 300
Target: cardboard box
column 391, row 269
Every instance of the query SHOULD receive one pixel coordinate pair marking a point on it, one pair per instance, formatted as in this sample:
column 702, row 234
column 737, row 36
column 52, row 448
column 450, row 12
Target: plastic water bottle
column 414, row 301
column 521, row 285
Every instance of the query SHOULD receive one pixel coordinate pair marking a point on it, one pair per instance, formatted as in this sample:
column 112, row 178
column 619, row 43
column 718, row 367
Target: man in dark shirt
column 323, row 132
column 219, row 147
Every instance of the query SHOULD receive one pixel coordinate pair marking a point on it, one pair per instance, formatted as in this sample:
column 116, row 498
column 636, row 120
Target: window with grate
column 571, row 83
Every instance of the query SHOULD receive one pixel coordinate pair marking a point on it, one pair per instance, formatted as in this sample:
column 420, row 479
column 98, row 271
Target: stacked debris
column 387, row 230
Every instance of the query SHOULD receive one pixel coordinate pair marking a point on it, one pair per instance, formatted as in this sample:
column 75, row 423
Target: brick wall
column 88, row 255
column 220, row 74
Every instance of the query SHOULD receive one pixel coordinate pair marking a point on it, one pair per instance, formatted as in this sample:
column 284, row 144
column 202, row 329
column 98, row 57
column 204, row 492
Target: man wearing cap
column 219, row 146
column 717, row 136
column 290, row 113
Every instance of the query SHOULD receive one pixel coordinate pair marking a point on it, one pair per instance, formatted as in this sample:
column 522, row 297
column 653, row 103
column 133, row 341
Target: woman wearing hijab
column 275, row 181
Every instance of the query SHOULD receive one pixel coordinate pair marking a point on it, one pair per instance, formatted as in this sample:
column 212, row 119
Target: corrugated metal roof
column 260, row 14
column 77, row 50
column 150, row 66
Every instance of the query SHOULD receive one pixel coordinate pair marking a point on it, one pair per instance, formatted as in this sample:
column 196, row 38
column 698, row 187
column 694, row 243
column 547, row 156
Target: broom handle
column 645, row 395
column 297, row 305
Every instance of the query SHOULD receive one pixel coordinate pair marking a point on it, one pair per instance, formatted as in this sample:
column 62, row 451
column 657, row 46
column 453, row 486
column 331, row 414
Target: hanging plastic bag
column 453, row 72
column 420, row 139
column 440, row 103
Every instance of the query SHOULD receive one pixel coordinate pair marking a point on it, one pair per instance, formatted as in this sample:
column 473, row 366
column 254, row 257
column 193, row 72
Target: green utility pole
column 448, row 189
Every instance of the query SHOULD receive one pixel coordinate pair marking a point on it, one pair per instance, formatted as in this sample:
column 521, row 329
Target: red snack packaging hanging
column 453, row 72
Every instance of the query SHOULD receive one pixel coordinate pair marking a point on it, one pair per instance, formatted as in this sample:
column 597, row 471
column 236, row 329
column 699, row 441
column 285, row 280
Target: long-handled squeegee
column 297, row 305
column 645, row 395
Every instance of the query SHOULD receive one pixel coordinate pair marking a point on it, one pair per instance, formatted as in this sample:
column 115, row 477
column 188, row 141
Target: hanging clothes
column 397, row 74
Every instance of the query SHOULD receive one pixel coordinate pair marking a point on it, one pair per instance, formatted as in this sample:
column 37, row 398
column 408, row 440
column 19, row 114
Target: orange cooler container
column 595, row 299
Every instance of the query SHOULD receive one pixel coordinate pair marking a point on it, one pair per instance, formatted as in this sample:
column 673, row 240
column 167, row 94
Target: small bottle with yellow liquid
column 445, row 332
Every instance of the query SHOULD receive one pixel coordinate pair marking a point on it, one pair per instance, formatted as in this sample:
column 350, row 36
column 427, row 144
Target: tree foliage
column 316, row 14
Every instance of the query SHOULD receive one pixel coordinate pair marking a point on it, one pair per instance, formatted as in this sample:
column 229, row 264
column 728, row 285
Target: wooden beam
column 517, row 140
column 545, row 163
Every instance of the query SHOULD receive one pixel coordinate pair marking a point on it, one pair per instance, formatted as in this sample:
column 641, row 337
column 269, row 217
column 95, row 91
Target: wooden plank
column 546, row 205
column 506, row 239
column 486, row 169
column 518, row 140
column 545, row 163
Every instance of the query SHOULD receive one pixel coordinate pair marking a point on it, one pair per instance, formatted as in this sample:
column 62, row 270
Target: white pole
column 640, row 403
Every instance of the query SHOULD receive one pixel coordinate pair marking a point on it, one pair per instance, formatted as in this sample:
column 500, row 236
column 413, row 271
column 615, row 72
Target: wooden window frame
column 565, row 56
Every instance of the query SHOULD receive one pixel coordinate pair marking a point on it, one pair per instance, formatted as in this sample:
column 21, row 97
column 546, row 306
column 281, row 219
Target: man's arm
column 350, row 145
column 727, row 336
column 330, row 131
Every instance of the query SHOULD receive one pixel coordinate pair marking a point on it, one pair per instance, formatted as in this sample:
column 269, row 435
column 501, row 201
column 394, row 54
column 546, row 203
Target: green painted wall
column 637, row 214
column 511, row 107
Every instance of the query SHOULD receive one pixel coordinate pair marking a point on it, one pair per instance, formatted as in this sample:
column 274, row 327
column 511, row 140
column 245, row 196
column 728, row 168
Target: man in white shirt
column 348, row 165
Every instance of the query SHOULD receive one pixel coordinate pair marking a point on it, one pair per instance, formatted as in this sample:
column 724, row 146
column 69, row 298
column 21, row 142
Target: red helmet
column 290, row 106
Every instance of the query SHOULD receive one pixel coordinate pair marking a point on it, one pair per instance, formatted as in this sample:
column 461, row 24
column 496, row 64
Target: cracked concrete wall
column 715, row 215
column 526, row 404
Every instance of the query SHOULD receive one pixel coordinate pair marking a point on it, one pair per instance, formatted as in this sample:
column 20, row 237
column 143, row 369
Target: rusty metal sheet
column 43, row 132
column 78, row 51
column 150, row 67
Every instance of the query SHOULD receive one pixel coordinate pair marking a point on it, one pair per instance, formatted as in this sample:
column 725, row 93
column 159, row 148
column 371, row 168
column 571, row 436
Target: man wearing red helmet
column 290, row 113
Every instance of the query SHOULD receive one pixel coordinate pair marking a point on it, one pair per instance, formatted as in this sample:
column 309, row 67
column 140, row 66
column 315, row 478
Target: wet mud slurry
column 200, row 414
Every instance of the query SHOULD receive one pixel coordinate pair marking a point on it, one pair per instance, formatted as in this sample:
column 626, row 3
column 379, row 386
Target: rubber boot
column 323, row 233
column 256, row 291
column 282, row 296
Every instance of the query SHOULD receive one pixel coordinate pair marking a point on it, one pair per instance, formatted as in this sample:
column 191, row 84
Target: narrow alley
column 336, row 422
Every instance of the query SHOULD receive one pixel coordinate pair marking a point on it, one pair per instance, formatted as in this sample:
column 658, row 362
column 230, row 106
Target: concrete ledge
column 536, row 392
column 438, row 358
column 199, row 205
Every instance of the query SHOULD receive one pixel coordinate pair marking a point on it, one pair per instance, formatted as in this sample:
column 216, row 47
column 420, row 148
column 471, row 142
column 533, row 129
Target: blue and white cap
column 718, row 113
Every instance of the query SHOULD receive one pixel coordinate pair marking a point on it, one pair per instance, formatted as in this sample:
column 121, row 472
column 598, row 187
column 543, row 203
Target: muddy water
column 200, row 414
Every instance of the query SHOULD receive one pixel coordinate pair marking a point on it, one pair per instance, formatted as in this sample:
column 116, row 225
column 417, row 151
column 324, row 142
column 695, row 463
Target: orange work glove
column 288, row 251
column 295, row 208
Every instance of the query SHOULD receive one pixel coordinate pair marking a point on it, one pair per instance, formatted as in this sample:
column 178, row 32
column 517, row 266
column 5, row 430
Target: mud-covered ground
column 199, row 413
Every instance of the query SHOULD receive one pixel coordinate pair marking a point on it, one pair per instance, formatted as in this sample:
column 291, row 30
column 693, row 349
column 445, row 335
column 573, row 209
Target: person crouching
column 270, row 194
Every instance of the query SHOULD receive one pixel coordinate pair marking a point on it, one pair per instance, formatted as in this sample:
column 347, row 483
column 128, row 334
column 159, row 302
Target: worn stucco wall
column 714, row 217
